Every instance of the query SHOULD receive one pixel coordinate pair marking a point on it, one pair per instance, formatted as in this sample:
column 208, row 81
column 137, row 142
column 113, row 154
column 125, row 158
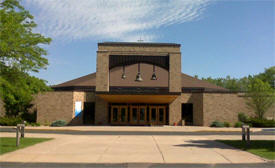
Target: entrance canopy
column 123, row 98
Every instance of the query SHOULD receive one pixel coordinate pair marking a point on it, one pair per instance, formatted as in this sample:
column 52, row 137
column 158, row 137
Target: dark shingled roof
column 187, row 82
column 87, row 80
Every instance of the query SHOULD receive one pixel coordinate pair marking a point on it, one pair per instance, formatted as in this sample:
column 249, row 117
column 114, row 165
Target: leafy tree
column 21, row 52
column 260, row 96
column 241, row 84
column 18, row 89
column 268, row 76
column 19, row 46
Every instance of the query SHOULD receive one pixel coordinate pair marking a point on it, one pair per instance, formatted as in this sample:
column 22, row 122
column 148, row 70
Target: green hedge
column 254, row 122
column 13, row 121
column 242, row 117
column 217, row 124
column 220, row 124
column 59, row 123
column 10, row 121
column 238, row 124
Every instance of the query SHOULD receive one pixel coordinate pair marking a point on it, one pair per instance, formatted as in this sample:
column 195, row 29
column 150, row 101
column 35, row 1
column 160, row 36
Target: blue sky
column 218, row 38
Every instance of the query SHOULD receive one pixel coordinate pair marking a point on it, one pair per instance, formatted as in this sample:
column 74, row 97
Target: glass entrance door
column 115, row 115
column 142, row 115
column 138, row 114
column 134, row 115
column 161, row 115
column 119, row 115
column 157, row 115
column 153, row 115
column 123, row 114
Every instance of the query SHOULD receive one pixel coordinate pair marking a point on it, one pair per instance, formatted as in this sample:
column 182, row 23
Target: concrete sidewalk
column 137, row 128
column 130, row 149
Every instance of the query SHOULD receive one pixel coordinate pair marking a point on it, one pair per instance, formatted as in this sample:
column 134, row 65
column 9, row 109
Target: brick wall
column 83, row 97
column 175, row 108
column 223, row 107
column 101, row 111
column 197, row 100
column 53, row 106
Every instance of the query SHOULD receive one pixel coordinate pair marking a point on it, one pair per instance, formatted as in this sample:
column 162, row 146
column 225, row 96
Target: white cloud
column 126, row 20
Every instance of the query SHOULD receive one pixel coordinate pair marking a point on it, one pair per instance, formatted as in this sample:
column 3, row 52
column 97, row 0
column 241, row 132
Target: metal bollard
column 23, row 129
column 243, row 133
column 17, row 136
column 248, row 134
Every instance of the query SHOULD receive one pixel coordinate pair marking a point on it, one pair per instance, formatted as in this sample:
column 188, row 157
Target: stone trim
column 138, row 44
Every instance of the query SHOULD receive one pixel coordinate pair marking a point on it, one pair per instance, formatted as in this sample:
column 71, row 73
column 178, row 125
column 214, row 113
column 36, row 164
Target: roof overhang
column 140, row 98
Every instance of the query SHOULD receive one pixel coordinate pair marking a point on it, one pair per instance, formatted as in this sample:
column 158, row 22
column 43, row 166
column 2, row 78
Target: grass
column 8, row 144
column 262, row 148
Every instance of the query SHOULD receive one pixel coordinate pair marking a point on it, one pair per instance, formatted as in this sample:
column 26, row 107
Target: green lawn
column 8, row 144
column 263, row 148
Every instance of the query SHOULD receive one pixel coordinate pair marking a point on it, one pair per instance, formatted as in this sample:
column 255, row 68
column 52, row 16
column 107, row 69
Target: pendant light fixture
column 138, row 77
column 123, row 76
column 154, row 76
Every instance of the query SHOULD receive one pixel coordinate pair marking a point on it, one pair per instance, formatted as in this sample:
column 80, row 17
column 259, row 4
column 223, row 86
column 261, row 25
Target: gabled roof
column 187, row 82
column 191, row 82
column 87, row 80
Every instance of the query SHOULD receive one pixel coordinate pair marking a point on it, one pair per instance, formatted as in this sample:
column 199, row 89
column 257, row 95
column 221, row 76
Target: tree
column 268, row 76
column 21, row 52
column 19, row 46
column 18, row 90
column 260, row 96
column 241, row 84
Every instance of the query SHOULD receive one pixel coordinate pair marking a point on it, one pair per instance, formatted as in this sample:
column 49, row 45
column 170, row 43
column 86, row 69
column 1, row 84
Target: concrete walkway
column 131, row 149
column 138, row 128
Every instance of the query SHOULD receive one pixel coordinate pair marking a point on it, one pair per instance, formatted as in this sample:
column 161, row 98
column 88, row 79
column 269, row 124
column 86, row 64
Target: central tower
column 111, row 88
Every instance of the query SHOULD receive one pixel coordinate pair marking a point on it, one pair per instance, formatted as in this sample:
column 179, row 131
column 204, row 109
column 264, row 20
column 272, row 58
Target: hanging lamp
column 123, row 76
column 154, row 76
column 138, row 77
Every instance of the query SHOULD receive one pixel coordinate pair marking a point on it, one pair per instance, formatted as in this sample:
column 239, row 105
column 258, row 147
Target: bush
column 238, row 124
column 242, row 117
column 29, row 117
column 255, row 122
column 226, row 124
column 217, row 124
column 32, row 124
column 10, row 121
column 59, row 123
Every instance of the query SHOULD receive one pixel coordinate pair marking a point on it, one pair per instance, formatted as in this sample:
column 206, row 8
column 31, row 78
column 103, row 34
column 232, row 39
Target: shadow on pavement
column 204, row 144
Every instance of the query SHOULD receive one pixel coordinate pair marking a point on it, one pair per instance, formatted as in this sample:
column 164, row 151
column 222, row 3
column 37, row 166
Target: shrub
column 242, row 117
column 238, row 124
column 29, row 117
column 32, row 124
column 255, row 122
column 226, row 124
column 217, row 124
column 10, row 121
column 59, row 123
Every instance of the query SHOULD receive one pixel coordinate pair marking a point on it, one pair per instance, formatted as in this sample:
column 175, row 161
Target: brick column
column 102, row 71
column 175, row 112
column 102, row 84
column 175, row 72
column 101, row 111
